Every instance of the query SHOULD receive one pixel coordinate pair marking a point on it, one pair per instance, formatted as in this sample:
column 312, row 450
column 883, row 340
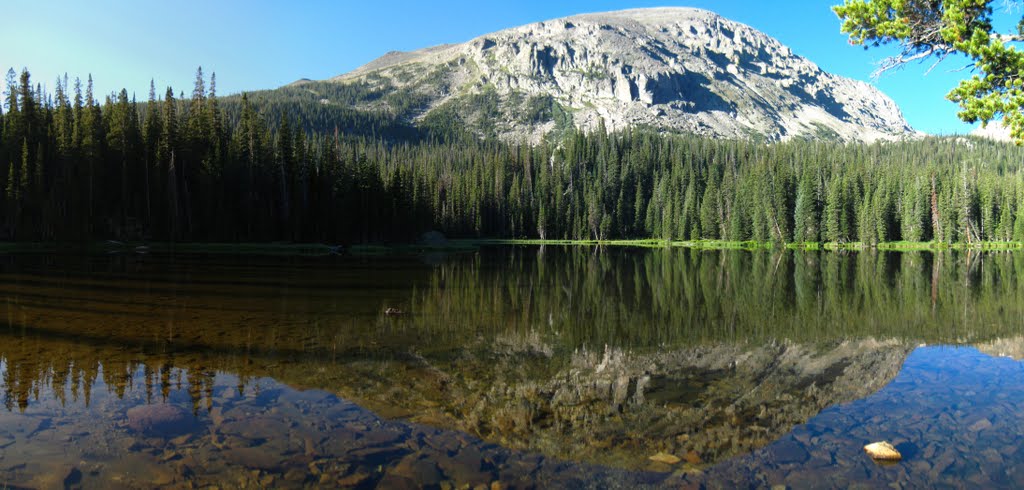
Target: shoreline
column 755, row 245
column 473, row 244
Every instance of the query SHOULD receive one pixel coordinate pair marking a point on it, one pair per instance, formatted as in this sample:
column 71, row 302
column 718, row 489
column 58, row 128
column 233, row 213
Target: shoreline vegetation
column 469, row 245
column 755, row 245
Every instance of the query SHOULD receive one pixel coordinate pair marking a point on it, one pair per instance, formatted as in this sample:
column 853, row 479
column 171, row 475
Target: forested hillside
column 273, row 167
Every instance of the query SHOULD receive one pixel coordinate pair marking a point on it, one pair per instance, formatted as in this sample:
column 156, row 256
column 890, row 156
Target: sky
column 258, row 44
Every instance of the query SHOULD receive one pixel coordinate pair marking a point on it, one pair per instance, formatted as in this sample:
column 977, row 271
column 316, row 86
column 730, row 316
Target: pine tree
column 913, row 216
column 867, row 221
column 167, row 156
column 835, row 209
column 11, row 92
column 711, row 211
column 806, row 213
column 90, row 126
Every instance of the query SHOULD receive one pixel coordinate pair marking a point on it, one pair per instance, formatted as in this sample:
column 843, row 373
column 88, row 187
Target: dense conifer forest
column 275, row 166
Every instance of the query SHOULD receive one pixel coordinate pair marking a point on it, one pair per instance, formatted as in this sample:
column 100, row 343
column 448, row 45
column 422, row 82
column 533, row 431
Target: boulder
column 162, row 419
column 665, row 458
column 882, row 451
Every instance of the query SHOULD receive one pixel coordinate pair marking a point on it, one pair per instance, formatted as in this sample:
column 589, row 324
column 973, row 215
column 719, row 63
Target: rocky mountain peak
column 673, row 69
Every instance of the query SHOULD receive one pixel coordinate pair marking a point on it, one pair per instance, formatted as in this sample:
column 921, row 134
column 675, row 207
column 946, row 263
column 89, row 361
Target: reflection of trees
column 649, row 298
column 158, row 327
column 70, row 372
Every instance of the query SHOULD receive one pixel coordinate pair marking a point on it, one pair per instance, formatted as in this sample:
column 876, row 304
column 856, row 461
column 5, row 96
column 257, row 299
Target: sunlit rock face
column 673, row 69
column 994, row 130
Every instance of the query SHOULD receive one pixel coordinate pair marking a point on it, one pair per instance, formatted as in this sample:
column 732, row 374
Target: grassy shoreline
column 755, row 245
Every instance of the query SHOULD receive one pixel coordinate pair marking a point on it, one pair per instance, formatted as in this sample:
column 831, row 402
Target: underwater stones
column 381, row 437
column 17, row 425
column 398, row 482
column 257, row 428
column 666, row 458
column 254, row 457
column 161, row 420
column 466, row 467
column 416, row 469
column 789, row 452
column 882, row 451
column 354, row 480
column 217, row 416
column 693, row 458
column 980, row 425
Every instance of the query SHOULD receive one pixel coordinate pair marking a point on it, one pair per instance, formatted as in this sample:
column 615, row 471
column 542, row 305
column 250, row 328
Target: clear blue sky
column 262, row 44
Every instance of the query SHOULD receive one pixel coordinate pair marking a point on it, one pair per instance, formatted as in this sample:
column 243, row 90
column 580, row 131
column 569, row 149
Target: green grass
column 647, row 242
column 755, row 245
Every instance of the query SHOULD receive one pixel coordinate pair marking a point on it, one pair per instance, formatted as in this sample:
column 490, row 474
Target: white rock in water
column 666, row 458
column 883, row 451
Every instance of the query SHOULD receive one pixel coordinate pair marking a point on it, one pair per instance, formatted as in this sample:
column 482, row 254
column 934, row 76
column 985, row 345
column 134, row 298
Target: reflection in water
column 642, row 299
column 953, row 412
column 268, row 435
column 586, row 355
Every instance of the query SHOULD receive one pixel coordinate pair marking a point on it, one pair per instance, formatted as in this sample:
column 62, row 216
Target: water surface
column 526, row 366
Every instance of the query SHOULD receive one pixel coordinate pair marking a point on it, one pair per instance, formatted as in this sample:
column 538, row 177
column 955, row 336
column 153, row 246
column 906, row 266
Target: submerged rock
column 161, row 420
column 665, row 458
column 882, row 451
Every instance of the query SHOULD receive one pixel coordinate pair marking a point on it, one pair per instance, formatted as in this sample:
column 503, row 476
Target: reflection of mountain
column 709, row 354
column 953, row 412
column 615, row 407
column 619, row 407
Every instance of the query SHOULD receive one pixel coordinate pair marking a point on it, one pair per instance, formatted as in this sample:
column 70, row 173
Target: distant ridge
column 673, row 69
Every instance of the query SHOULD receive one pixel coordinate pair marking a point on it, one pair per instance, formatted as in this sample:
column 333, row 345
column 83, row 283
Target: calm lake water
column 526, row 366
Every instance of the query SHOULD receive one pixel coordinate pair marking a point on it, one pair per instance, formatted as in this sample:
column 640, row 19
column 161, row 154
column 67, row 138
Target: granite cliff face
column 994, row 131
column 673, row 69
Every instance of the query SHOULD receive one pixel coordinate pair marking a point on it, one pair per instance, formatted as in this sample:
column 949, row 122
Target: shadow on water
column 513, row 364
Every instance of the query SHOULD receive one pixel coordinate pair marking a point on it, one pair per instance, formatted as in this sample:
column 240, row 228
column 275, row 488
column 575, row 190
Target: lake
column 512, row 367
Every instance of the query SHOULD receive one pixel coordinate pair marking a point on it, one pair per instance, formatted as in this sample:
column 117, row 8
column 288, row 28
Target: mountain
column 994, row 130
column 673, row 69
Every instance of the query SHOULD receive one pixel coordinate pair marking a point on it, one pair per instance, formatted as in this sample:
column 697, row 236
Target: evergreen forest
column 273, row 166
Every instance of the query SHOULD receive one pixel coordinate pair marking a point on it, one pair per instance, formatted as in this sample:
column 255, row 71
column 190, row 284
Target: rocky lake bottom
column 512, row 368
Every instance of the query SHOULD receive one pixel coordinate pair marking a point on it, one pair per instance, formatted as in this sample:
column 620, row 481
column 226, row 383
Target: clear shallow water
column 266, row 434
column 953, row 412
column 527, row 366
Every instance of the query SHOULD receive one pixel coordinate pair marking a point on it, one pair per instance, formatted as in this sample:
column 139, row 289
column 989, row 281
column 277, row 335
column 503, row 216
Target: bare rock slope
column 673, row 69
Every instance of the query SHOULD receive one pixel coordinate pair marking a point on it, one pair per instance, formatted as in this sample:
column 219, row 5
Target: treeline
column 176, row 168
column 203, row 168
